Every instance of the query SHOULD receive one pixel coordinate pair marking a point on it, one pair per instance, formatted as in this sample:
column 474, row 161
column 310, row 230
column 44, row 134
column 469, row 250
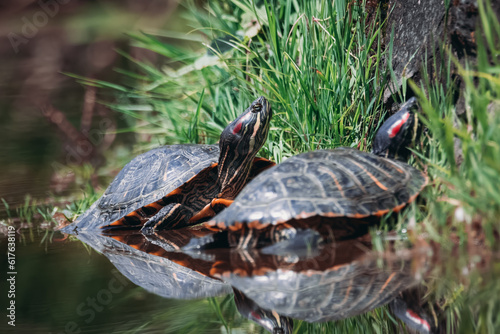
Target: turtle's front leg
column 211, row 210
column 172, row 216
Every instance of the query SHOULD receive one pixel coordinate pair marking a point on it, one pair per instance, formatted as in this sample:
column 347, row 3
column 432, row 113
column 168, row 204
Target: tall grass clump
column 316, row 61
column 463, row 151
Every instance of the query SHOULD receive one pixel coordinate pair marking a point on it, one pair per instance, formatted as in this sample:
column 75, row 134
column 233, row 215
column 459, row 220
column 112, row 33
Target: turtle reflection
column 337, row 281
column 164, row 272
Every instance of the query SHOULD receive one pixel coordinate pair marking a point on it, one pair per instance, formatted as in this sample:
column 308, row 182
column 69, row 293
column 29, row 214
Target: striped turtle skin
column 329, row 183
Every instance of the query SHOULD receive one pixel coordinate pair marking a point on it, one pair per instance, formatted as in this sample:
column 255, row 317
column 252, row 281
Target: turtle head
column 397, row 132
column 239, row 143
column 413, row 315
column 269, row 319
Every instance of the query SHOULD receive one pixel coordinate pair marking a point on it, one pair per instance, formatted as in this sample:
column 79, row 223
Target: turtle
column 177, row 185
column 343, row 280
column 335, row 281
column 140, row 264
column 270, row 320
column 161, row 270
column 344, row 187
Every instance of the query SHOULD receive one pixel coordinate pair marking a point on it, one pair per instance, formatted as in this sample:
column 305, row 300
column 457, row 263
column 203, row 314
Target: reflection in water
column 269, row 319
column 154, row 273
column 338, row 281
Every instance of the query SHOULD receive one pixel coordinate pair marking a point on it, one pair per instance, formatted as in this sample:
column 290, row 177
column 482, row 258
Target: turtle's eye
column 257, row 107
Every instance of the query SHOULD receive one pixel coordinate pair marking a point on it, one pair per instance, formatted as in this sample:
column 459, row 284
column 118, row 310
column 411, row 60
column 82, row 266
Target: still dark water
column 129, row 283
column 67, row 287
column 135, row 284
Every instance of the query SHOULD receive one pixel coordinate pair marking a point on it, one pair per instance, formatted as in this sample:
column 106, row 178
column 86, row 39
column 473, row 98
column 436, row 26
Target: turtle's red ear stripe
column 255, row 315
column 396, row 127
column 418, row 320
column 244, row 119
column 237, row 127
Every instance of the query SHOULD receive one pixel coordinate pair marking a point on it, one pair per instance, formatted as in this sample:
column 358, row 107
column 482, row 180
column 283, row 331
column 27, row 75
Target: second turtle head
column 397, row 132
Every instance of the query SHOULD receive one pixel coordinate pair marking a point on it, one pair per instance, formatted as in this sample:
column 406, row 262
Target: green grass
column 318, row 65
column 471, row 186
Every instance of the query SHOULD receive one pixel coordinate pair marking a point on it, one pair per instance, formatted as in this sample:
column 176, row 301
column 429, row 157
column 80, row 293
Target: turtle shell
column 327, row 183
column 155, row 274
column 145, row 179
column 344, row 280
column 160, row 269
column 335, row 281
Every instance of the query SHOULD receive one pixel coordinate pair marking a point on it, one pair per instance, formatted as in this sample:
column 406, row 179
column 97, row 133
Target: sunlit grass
column 317, row 63
column 462, row 152
column 462, row 157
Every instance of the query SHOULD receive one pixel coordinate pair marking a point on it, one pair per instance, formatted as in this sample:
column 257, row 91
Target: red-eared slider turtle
column 345, row 279
column 341, row 186
column 270, row 320
column 155, row 274
column 167, row 186
column 162, row 270
column 338, row 281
